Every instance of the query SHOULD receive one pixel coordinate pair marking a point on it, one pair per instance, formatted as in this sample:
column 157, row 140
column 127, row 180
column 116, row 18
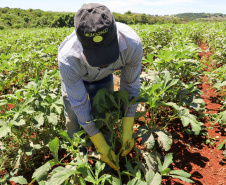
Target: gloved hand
column 102, row 148
column 127, row 132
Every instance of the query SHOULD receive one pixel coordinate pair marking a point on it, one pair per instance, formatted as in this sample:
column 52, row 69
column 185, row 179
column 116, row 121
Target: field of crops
column 180, row 129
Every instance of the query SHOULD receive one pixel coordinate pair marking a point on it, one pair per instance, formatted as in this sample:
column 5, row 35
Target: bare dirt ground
column 206, row 163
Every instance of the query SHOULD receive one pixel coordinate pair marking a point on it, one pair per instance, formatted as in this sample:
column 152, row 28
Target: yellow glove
column 127, row 132
column 102, row 148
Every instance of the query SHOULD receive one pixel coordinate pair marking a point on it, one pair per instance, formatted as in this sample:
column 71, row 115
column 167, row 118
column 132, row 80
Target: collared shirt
column 74, row 69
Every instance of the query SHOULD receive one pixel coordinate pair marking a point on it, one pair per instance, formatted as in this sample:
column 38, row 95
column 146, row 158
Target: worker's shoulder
column 126, row 31
column 131, row 38
column 70, row 46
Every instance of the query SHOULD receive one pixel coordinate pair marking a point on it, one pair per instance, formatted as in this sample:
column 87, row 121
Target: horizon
column 122, row 13
column 151, row 7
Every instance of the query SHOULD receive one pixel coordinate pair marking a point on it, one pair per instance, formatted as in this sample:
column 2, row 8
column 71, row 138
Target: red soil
column 205, row 162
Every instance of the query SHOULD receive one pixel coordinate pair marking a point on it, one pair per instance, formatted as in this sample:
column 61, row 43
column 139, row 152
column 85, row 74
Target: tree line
column 36, row 18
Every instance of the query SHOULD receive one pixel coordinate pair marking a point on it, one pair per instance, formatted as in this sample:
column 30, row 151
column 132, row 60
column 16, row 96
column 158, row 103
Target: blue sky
column 153, row 7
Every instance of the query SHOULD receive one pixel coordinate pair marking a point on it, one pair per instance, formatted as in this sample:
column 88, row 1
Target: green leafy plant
column 155, row 169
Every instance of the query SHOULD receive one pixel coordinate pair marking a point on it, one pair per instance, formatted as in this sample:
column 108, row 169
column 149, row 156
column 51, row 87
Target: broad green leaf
column 150, row 161
column 41, row 171
column 89, row 178
column 115, row 181
column 58, row 108
column 220, row 146
column 4, row 131
column 98, row 168
column 16, row 115
column 224, row 117
column 43, row 183
column 19, row 179
column 124, row 96
column 99, row 101
column 130, row 168
column 64, row 135
column 105, row 177
column 196, row 127
column 150, row 142
column 53, row 146
column 113, row 101
column 183, row 179
column 168, row 159
column 28, row 110
column 136, row 181
column 149, row 176
column 39, row 119
column 37, row 146
column 61, row 174
column 20, row 123
column 82, row 181
column 28, row 101
column 174, row 105
column 173, row 82
column 181, row 173
column 3, row 102
column 82, row 169
column 53, row 118
column 52, row 95
column 197, row 104
column 164, row 140
column 157, row 179
column 185, row 121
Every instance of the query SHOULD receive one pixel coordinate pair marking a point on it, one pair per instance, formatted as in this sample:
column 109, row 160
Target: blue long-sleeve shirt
column 74, row 69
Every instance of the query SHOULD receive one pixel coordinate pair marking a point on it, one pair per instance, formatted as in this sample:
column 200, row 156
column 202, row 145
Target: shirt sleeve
column 130, row 76
column 77, row 94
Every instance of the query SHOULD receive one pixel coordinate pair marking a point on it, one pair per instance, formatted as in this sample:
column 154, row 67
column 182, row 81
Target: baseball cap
column 96, row 30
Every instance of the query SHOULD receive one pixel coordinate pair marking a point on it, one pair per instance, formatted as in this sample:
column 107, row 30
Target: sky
column 152, row 7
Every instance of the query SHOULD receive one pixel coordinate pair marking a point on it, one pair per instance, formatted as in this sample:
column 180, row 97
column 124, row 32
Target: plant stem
column 120, row 178
column 126, row 162
column 32, row 182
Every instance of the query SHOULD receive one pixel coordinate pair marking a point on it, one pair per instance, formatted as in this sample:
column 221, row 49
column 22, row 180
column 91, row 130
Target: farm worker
column 87, row 58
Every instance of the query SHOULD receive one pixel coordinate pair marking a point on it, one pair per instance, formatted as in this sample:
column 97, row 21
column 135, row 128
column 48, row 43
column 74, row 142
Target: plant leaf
column 53, row 146
column 19, row 179
column 181, row 173
column 82, row 169
column 28, row 110
column 157, row 179
column 39, row 120
column 220, row 146
column 130, row 168
column 164, row 139
column 183, row 178
column 41, row 171
column 168, row 159
column 53, row 118
column 149, row 176
column 4, row 131
column 61, row 174
column 150, row 142
column 65, row 136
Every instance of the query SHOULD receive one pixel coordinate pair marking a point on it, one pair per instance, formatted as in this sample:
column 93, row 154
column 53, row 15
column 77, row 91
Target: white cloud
column 119, row 3
column 122, row 6
column 162, row 2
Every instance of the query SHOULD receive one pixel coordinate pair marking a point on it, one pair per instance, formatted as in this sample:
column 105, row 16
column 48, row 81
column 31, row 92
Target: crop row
column 32, row 121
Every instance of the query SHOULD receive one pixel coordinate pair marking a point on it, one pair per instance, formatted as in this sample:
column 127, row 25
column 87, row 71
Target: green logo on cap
column 97, row 39
column 96, row 33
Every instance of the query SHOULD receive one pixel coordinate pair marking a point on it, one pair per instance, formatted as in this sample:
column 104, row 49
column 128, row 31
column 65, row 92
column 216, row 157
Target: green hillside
column 33, row 18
